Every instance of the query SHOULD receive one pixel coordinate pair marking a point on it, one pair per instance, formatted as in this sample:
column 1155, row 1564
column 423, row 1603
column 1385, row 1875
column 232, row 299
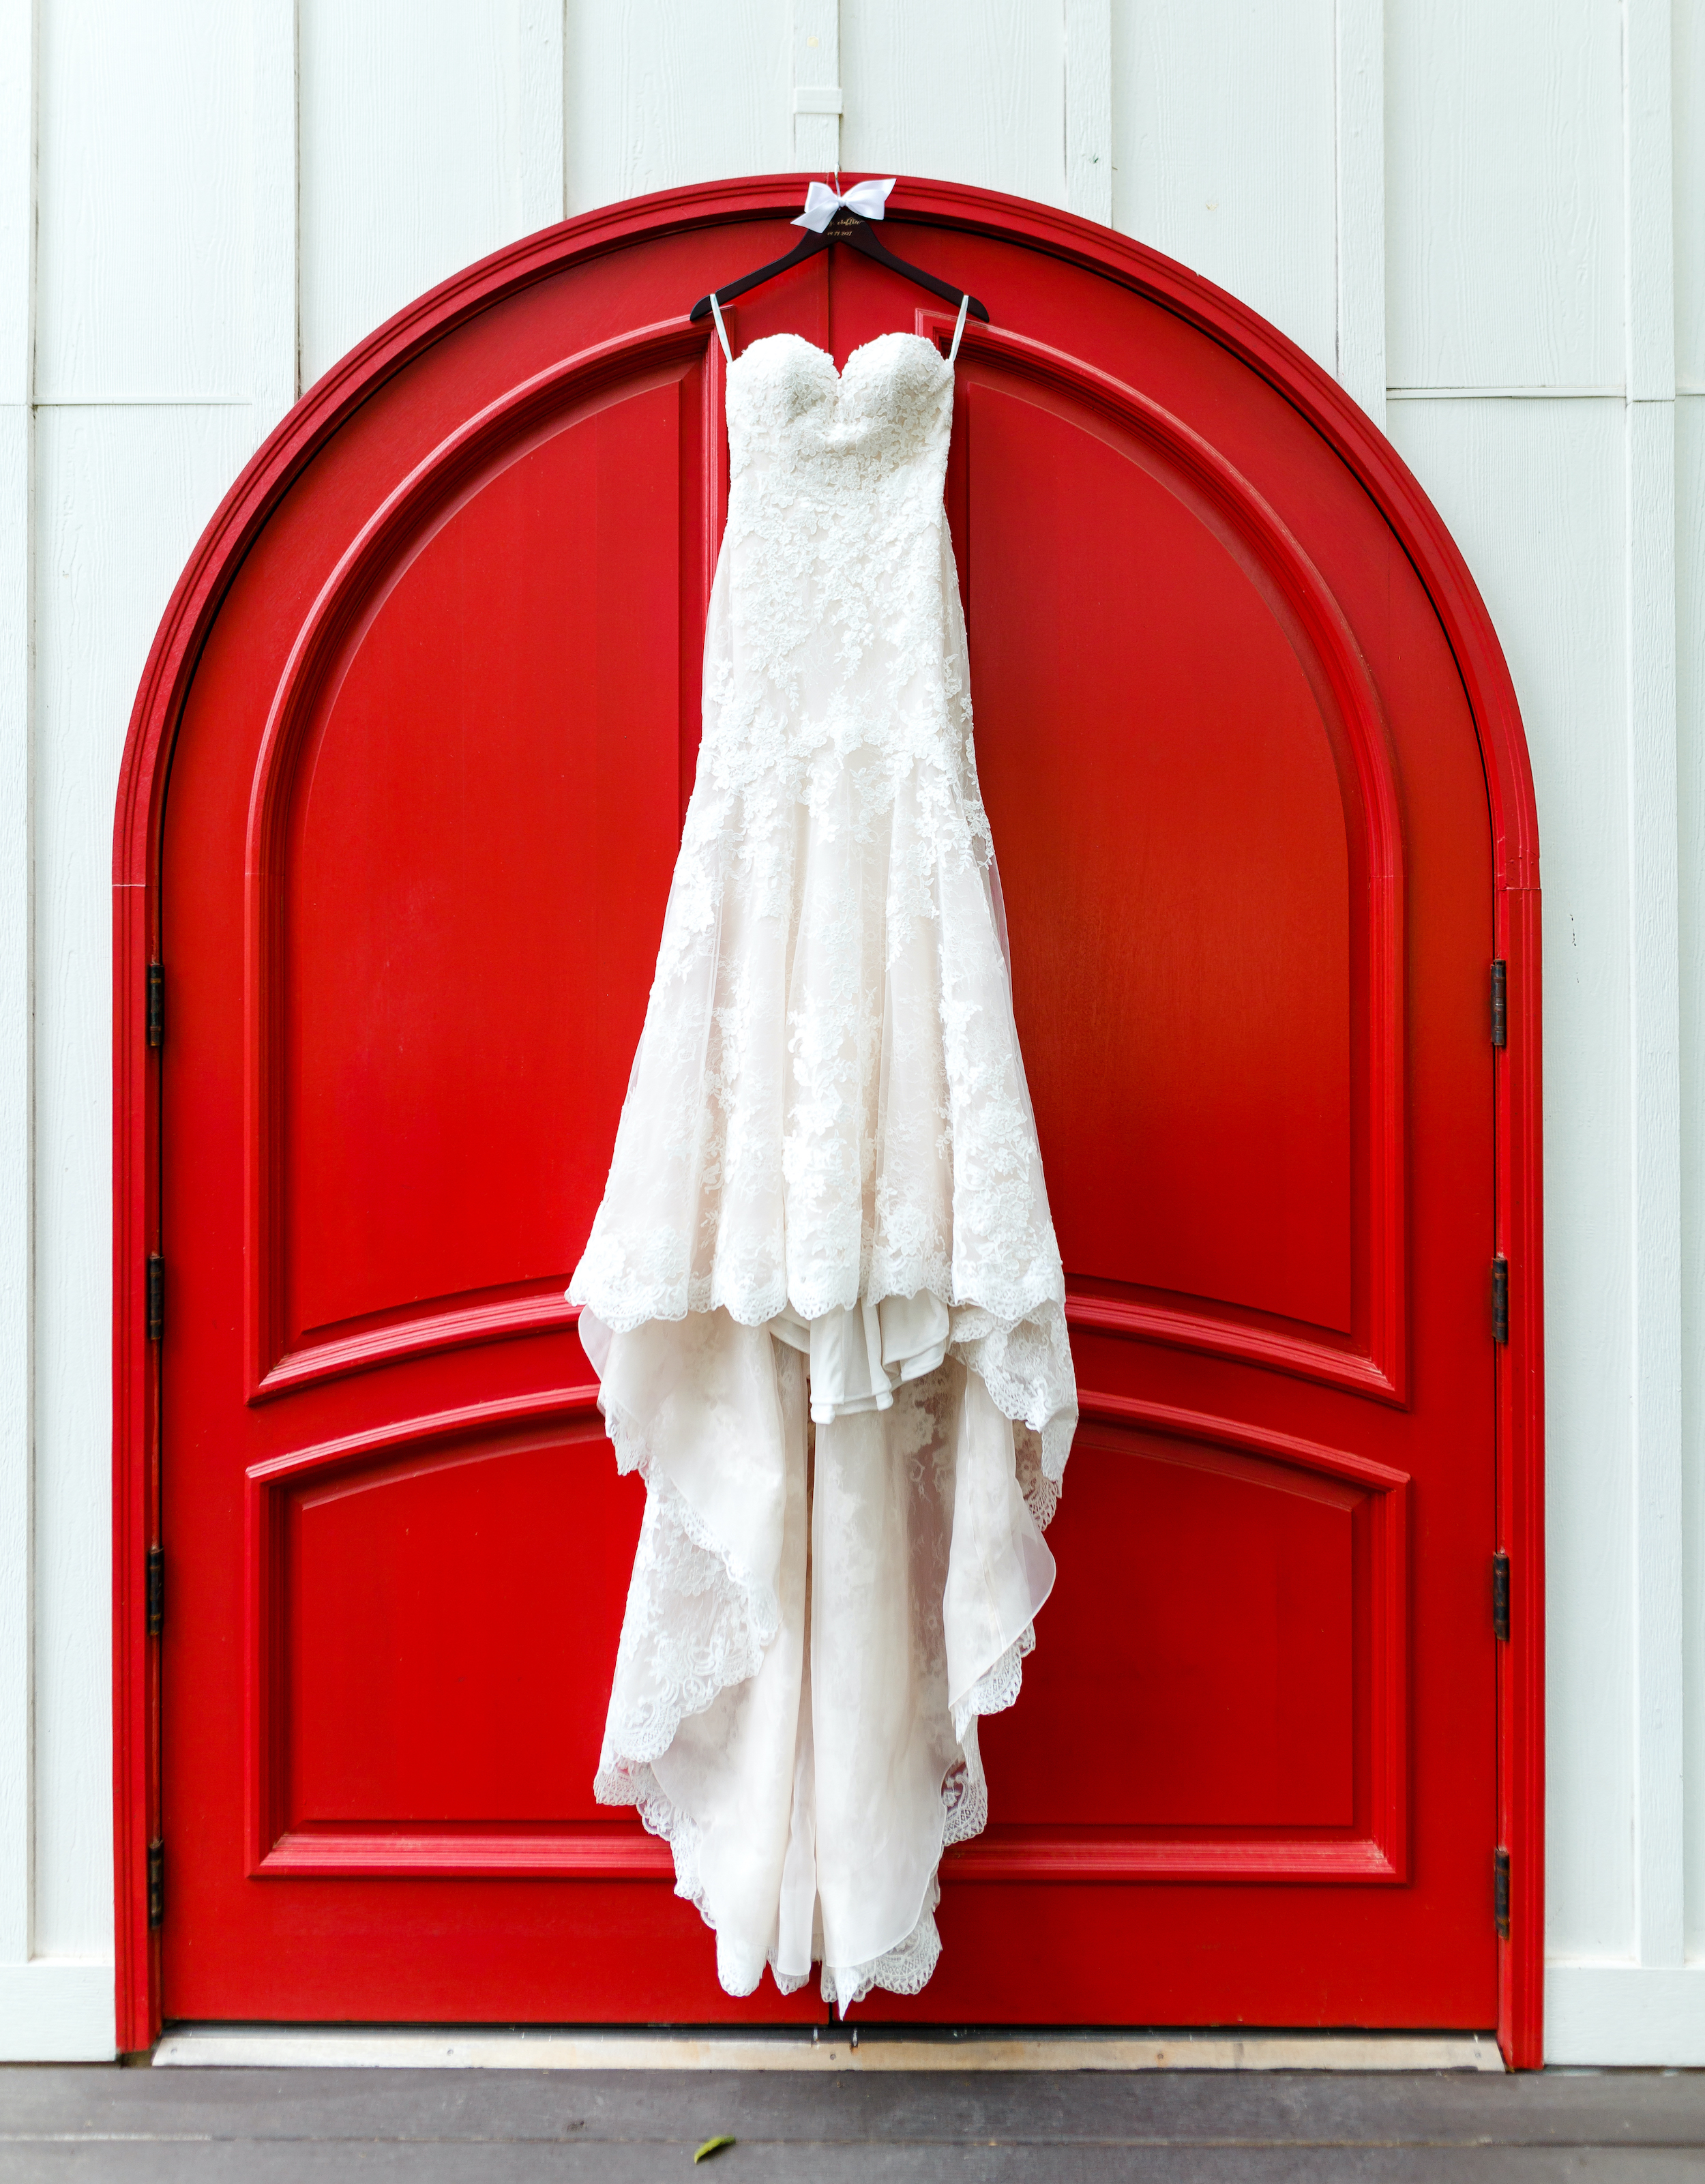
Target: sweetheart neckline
column 897, row 334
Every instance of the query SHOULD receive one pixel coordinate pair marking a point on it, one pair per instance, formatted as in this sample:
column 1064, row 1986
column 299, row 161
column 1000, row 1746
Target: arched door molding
column 142, row 787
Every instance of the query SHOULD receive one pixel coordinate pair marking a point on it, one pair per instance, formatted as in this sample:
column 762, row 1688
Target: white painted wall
column 1488, row 216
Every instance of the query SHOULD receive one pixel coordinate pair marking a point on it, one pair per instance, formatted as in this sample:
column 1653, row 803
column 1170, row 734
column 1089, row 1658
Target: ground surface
column 88, row 2125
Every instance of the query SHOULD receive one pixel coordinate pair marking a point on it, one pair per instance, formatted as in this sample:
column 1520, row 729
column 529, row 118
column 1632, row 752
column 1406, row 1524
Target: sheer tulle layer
column 817, row 1616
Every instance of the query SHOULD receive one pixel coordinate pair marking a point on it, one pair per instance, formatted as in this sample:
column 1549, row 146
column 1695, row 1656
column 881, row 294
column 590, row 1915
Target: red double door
column 423, row 809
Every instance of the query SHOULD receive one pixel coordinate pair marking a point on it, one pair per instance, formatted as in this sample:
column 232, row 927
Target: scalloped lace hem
column 997, row 1688
column 736, row 1620
column 905, row 1968
column 634, row 1454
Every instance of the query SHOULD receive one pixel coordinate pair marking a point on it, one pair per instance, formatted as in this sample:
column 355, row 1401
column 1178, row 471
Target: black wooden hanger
column 844, row 226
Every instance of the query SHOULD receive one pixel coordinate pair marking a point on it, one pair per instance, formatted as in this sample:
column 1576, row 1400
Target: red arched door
column 431, row 737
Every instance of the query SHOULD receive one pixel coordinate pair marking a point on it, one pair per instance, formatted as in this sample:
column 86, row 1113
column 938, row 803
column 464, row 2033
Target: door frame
column 137, row 828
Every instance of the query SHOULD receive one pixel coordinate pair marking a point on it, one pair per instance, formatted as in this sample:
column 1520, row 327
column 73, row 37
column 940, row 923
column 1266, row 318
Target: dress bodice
column 838, row 639
column 889, row 412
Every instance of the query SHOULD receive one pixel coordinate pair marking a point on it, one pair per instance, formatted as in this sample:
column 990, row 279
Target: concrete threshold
column 837, row 2047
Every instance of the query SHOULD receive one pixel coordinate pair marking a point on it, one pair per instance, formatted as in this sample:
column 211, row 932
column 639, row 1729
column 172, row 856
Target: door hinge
column 155, row 1593
column 1501, row 1892
column 1500, row 1298
column 1500, row 1597
column 157, row 1005
column 156, row 1883
column 1501, row 1003
column 156, row 1297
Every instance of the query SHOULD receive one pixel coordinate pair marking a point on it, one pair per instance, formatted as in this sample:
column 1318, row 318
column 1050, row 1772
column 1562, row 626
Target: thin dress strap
column 965, row 305
column 722, row 331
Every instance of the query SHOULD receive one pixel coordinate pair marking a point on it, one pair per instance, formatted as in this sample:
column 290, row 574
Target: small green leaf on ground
column 712, row 2146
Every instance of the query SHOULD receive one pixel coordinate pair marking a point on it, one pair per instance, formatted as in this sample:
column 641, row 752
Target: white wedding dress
column 822, row 1294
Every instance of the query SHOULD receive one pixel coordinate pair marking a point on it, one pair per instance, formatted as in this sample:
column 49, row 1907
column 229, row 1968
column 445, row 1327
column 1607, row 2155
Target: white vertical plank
column 1360, row 75
column 1654, row 1069
column 141, row 279
column 659, row 95
column 405, row 158
column 17, row 1225
column 815, row 46
column 1224, row 150
column 17, row 1011
column 1654, row 944
column 276, row 364
column 1690, row 722
column 1503, row 193
column 1533, row 492
column 1090, row 108
column 1648, row 201
column 143, row 295
column 1687, row 64
column 121, row 494
column 539, row 95
column 17, row 51
column 971, row 93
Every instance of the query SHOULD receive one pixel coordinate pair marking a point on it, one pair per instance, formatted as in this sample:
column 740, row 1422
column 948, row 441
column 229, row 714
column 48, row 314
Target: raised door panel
column 411, row 1591
column 462, row 831
column 1185, row 976
column 1243, row 1717
column 1220, row 1689
column 474, row 871
column 432, row 1630
column 1194, row 807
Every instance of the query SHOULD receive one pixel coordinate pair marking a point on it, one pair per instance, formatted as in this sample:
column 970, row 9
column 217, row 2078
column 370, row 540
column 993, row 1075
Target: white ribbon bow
column 866, row 199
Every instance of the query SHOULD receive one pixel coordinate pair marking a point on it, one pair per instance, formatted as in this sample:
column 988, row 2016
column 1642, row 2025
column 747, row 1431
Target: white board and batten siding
column 1487, row 217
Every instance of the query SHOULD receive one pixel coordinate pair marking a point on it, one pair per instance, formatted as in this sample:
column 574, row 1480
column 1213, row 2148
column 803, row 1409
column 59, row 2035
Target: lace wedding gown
column 822, row 1294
